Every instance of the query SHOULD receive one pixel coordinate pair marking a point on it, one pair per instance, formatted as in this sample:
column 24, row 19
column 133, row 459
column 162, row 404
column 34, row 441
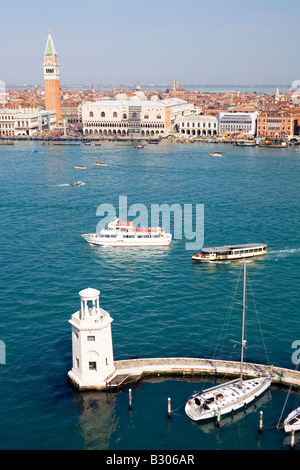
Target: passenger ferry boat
column 231, row 252
column 119, row 233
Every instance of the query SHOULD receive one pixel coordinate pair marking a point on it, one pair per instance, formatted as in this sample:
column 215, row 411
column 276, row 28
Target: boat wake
column 284, row 253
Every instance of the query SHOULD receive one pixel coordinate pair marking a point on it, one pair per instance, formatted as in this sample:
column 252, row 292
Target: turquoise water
column 162, row 304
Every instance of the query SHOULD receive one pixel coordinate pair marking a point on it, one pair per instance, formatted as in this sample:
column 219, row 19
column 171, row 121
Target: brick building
column 278, row 124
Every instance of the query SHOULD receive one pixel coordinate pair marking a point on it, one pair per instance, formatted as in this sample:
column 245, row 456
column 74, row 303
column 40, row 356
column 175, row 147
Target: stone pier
column 132, row 370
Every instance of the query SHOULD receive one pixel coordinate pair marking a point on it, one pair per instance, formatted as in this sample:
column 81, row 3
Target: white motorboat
column 231, row 396
column 217, row 154
column 119, row 233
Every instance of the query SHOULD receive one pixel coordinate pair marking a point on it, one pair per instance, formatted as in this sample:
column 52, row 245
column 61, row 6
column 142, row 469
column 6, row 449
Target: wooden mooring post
column 218, row 417
column 169, row 408
column 260, row 421
column 130, row 398
column 292, row 439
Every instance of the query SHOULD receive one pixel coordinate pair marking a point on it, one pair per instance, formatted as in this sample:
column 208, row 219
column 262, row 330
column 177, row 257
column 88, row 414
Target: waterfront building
column 278, row 124
column 237, row 123
column 51, row 79
column 92, row 349
column 198, row 125
column 34, row 122
column 7, row 122
column 25, row 121
column 134, row 115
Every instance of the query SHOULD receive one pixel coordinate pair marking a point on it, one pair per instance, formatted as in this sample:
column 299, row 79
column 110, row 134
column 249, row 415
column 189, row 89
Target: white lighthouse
column 93, row 361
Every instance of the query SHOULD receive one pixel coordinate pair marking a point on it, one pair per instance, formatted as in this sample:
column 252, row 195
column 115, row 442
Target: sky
column 153, row 42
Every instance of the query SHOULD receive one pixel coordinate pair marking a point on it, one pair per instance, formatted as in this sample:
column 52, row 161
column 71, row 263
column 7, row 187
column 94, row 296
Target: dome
column 121, row 96
column 138, row 95
column 89, row 293
column 154, row 98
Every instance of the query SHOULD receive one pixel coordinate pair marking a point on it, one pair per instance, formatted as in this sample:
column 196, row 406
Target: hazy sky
column 154, row 41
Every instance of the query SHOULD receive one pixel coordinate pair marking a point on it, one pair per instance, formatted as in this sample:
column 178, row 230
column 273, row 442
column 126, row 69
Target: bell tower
column 92, row 348
column 51, row 79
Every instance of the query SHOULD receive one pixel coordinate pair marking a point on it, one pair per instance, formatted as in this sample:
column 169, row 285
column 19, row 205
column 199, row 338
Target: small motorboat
column 77, row 183
column 140, row 146
column 100, row 164
column 217, row 154
column 79, row 167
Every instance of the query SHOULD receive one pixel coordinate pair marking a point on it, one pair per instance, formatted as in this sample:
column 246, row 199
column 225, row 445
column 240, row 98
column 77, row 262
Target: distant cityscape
column 198, row 112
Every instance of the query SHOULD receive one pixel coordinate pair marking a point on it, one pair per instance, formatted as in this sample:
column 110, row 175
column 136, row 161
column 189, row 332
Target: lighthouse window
column 91, row 338
column 92, row 366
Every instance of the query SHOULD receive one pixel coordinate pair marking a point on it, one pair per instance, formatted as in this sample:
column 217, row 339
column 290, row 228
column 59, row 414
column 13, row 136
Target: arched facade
column 199, row 126
column 133, row 117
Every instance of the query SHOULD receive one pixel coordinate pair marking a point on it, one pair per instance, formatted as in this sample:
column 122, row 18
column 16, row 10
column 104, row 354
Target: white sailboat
column 229, row 397
column 292, row 422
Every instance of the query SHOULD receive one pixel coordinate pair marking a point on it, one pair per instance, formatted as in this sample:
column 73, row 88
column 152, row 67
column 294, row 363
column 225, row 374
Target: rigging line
column 258, row 321
column 220, row 344
column 226, row 322
column 180, row 406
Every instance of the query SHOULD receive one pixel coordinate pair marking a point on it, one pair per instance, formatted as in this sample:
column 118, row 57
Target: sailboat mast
column 243, row 325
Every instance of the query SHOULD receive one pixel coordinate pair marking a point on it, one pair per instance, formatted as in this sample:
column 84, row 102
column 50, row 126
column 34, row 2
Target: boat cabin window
column 210, row 400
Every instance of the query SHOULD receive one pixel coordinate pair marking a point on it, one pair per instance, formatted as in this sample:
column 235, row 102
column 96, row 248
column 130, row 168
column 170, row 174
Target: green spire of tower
column 50, row 48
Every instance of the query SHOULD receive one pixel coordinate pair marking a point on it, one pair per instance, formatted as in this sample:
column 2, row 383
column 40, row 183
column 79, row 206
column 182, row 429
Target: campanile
column 51, row 79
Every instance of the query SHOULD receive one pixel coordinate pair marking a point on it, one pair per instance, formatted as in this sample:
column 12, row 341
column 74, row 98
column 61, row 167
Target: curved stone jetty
column 133, row 370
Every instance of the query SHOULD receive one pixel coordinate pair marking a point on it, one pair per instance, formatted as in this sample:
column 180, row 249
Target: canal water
column 163, row 305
